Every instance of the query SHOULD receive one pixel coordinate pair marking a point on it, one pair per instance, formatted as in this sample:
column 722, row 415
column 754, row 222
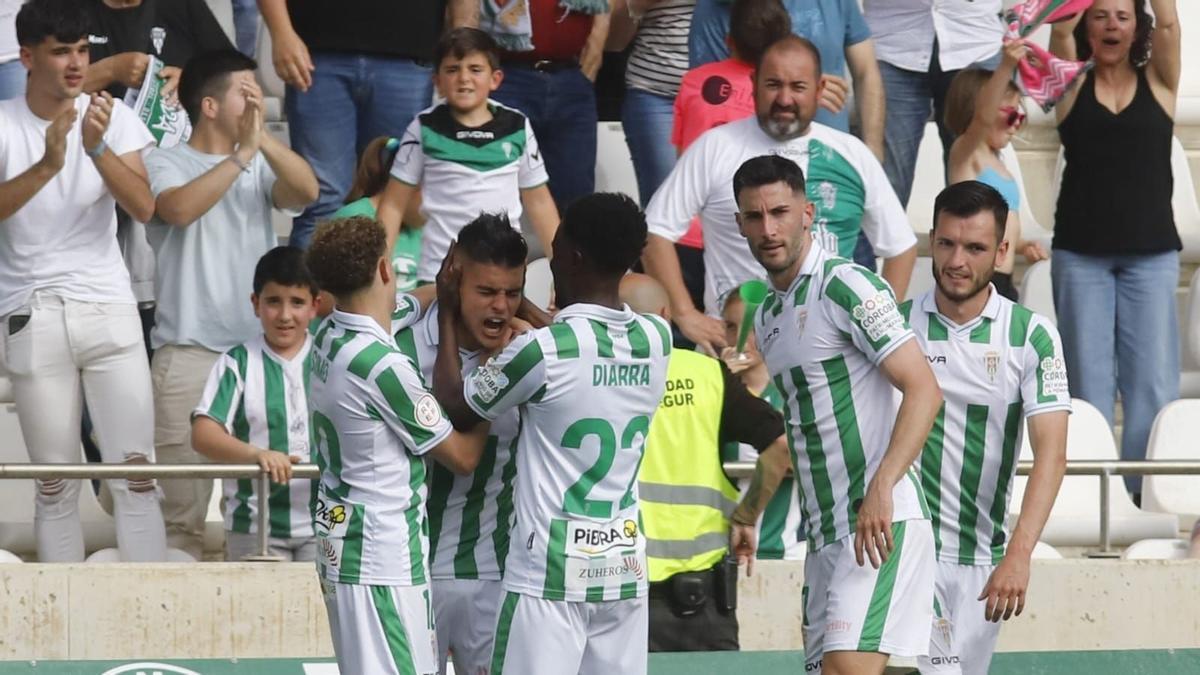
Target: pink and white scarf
column 1042, row 76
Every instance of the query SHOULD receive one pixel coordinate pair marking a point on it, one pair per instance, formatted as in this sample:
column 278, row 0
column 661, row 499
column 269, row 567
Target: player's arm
column 897, row 270
column 447, row 374
column 461, row 451
column 1005, row 589
column 543, row 215
column 209, row 438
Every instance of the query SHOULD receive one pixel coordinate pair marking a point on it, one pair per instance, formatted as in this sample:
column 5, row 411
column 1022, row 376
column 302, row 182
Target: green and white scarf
column 507, row 21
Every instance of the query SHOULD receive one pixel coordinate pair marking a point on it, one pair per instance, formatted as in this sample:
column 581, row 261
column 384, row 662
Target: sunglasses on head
column 1014, row 117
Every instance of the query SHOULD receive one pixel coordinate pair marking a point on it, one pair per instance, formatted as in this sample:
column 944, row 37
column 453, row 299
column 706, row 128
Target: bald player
column 686, row 496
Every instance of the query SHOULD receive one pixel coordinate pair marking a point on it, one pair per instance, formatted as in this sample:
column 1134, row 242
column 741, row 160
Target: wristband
column 243, row 166
column 98, row 151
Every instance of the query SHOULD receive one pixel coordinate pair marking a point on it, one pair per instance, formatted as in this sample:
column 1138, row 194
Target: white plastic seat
column 1037, row 290
column 539, row 282
column 9, row 558
column 1157, row 549
column 1044, row 551
column 222, row 11
column 1173, row 437
column 1075, row 518
column 929, row 177
column 272, row 85
column 922, row 277
column 1188, row 314
column 614, row 165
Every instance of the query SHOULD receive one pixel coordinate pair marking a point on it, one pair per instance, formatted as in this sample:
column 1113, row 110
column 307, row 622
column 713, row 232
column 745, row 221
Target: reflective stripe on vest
column 685, row 497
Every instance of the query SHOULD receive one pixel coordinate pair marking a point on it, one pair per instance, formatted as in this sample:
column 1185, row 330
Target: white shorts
column 465, row 612
column 963, row 639
column 552, row 637
column 385, row 630
column 862, row 609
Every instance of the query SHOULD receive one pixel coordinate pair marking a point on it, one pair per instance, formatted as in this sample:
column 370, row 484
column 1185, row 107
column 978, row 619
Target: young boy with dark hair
column 254, row 410
column 467, row 155
column 213, row 201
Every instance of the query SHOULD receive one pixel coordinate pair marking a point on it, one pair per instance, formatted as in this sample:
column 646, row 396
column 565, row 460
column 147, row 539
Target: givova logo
column 149, row 668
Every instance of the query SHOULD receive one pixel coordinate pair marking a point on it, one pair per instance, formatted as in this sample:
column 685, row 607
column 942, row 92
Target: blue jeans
column 647, row 120
column 245, row 26
column 353, row 99
column 561, row 107
column 911, row 97
column 1116, row 315
column 12, row 79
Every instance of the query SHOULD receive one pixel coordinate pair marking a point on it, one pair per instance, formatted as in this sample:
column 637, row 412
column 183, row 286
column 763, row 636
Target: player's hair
column 1143, row 36
column 285, row 266
column 788, row 43
column 755, row 25
column 491, row 239
column 609, row 228
column 962, row 94
column 207, row 74
column 968, row 198
column 344, row 253
column 371, row 176
column 67, row 21
column 767, row 170
column 463, row 41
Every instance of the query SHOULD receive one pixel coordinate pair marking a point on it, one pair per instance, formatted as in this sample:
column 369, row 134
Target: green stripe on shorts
column 881, row 597
column 503, row 627
column 393, row 629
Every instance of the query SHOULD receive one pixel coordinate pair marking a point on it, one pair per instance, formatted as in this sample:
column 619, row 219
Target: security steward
column 686, row 497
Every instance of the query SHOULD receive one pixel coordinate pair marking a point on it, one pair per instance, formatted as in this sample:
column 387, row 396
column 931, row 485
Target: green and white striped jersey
column 823, row 340
column 259, row 397
column 587, row 387
column 1004, row 365
column 470, row 517
column 372, row 422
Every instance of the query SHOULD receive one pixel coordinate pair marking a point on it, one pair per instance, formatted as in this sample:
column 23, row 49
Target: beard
column 782, row 130
column 979, row 286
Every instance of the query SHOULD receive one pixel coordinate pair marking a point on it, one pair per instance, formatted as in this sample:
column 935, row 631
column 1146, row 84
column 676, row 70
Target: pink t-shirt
column 709, row 96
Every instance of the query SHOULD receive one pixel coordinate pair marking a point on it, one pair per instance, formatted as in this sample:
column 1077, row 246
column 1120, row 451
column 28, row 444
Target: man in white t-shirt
column 845, row 184
column 71, row 325
column 212, row 223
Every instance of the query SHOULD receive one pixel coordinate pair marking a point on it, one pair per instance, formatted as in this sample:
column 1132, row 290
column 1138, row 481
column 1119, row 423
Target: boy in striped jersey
column 470, row 516
column 254, row 410
column 372, row 424
column 587, row 387
column 997, row 362
column 838, row 349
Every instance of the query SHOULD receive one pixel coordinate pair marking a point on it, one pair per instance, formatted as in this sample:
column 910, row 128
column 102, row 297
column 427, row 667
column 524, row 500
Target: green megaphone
column 753, row 294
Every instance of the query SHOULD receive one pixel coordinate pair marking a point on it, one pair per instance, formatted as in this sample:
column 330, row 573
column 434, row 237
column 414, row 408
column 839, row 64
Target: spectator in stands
column 354, row 71
column 245, row 26
column 71, row 323
column 920, row 46
column 363, row 200
column 685, row 492
column 846, row 185
column 551, row 59
column 983, row 109
column 254, row 411
column 213, row 201
column 1116, row 250
column 127, row 32
column 12, row 73
column 467, row 155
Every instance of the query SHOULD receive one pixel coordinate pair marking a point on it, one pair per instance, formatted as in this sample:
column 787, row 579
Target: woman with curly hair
column 1116, row 249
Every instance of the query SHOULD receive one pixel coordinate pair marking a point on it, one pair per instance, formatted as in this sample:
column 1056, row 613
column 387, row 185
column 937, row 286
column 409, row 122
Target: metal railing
column 1101, row 469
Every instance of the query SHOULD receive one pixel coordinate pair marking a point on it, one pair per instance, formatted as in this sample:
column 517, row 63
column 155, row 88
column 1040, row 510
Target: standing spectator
column 1116, row 250
column 550, row 68
column 12, row 73
column 66, row 161
column 921, row 45
column 126, row 32
column 354, row 71
column 214, row 196
column 245, row 26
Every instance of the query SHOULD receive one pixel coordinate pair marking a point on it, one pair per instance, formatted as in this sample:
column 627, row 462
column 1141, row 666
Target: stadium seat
column 929, row 177
column 1037, row 292
column 112, row 555
column 539, row 282
column 9, row 558
column 272, row 85
column 1188, row 315
column 214, row 521
column 922, row 277
column 614, row 166
column 1157, row 549
column 223, row 11
column 1075, row 518
column 1044, row 551
column 1173, row 437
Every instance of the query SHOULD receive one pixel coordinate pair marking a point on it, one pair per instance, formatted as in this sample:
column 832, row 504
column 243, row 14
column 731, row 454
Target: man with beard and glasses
column 839, row 351
column 998, row 363
column 846, row 186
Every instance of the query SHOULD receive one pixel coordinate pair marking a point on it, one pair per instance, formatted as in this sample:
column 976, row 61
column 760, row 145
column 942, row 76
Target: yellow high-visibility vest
column 686, row 499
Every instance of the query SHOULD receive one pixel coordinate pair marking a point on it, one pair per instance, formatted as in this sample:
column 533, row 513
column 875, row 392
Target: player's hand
column 250, row 125
column 743, row 543
column 1005, row 589
column 129, row 68
column 739, row 363
column 517, row 326
column 1033, row 251
column 833, row 96
column 449, row 278
column 95, row 120
column 170, row 77
column 873, row 533
column 292, row 61
column 277, row 464
column 56, row 139
column 708, row 333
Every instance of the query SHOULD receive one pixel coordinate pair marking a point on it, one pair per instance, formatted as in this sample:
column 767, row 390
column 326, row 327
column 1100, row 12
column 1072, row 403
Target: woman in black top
column 1116, row 249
